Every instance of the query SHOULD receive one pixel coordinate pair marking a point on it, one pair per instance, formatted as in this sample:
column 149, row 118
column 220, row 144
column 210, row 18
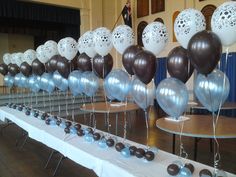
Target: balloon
column 50, row 49
column 19, row 58
column 53, row 63
column 40, row 54
column 117, row 84
column 89, row 83
column 17, row 79
column 128, row 57
column 125, row 152
column 67, row 48
column 26, row 69
column 46, row 83
column 185, row 172
column 102, row 65
column 88, row 45
column 144, row 66
column 223, row 23
column 57, row 78
column 74, row 82
column 38, row 68
column 80, row 45
column 172, row 96
column 23, row 81
column 204, row 51
column 142, row 94
column 187, row 24
column 29, row 56
column 84, row 62
column 3, row 69
column 64, row 84
column 102, row 39
column 63, row 67
column 13, row 69
column 6, row 58
column 8, row 80
column 178, row 64
column 155, row 37
column 122, row 38
column 33, row 83
column 173, row 169
column 212, row 90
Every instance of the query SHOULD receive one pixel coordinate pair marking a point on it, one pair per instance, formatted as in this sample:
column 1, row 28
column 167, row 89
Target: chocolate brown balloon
column 96, row 136
column 110, row 142
column 190, row 167
column 102, row 65
column 52, row 63
column 139, row 153
column 63, row 67
column 68, row 123
column 178, row 64
column 47, row 121
column 173, row 169
column 67, row 130
column 144, row 66
column 119, row 146
column 48, row 68
column 89, row 130
column 3, row 69
column 58, row 122
column 38, row 68
column 77, row 126
column 205, row 172
column 80, row 132
column 204, row 51
column 84, row 62
column 149, row 156
column 128, row 57
column 13, row 69
column 26, row 69
column 132, row 150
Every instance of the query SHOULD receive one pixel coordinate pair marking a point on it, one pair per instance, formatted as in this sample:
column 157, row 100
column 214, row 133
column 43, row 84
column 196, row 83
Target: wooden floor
column 30, row 161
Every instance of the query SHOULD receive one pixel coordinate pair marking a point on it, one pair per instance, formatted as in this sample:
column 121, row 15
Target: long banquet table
column 104, row 162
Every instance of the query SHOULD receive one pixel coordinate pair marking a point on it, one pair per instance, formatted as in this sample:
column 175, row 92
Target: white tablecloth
column 104, row 162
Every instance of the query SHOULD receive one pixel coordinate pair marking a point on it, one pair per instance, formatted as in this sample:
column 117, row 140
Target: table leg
column 173, row 144
column 58, row 164
column 195, row 148
column 5, row 126
column 22, row 145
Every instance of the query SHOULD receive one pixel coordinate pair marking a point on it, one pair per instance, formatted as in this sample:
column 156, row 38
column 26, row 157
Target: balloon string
column 36, row 97
column 44, row 104
column 147, row 127
column 93, row 114
column 73, row 110
column 50, row 103
column 66, row 95
column 125, row 120
column 182, row 152
column 59, row 104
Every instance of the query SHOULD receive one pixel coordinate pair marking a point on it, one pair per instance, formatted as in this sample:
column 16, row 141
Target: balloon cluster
column 177, row 168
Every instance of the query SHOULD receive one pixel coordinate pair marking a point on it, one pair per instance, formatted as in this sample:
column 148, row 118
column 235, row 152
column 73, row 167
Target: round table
column 199, row 126
column 109, row 107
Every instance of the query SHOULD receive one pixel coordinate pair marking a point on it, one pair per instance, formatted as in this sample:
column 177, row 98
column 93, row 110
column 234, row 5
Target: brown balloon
column 119, row 146
column 205, row 172
column 204, row 51
column 38, row 68
column 13, row 69
column 48, row 68
column 132, row 150
column 149, row 156
column 84, row 62
column 139, row 153
column 96, row 136
column 25, row 69
column 63, row 67
column 110, row 142
column 52, row 63
column 173, row 169
column 3, row 69
column 102, row 65
column 128, row 57
column 190, row 167
column 179, row 65
column 145, row 66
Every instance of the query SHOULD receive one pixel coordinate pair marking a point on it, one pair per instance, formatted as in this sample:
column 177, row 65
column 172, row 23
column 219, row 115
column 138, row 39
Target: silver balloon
column 117, row 84
column 8, row 80
column 172, row 96
column 212, row 90
column 74, row 82
column 33, row 83
column 142, row 94
column 89, row 83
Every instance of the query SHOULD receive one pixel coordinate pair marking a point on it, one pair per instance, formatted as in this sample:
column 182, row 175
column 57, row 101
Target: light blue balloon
column 117, row 84
column 89, row 83
column 102, row 143
column 51, row 86
column 184, row 172
column 212, row 90
column 220, row 173
column 46, row 82
column 73, row 130
column 57, row 78
column 63, row 124
column 125, row 152
column 33, row 83
column 142, row 94
column 89, row 138
column 17, row 79
column 64, row 84
column 172, row 96
column 8, row 80
column 23, row 82
column 74, row 82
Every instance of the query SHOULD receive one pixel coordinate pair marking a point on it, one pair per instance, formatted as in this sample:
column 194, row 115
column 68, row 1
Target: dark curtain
column 161, row 70
column 230, row 71
column 44, row 22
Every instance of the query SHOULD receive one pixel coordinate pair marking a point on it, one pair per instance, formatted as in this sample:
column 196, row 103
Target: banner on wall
column 126, row 13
